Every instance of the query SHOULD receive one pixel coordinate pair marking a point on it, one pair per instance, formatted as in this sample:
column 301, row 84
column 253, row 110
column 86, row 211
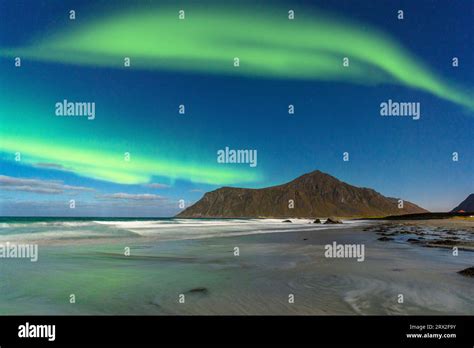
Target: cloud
column 37, row 186
column 196, row 190
column 157, row 186
column 110, row 208
column 49, row 166
column 134, row 197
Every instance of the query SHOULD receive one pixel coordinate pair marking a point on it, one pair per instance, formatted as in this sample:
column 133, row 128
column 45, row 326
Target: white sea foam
column 46, row 224
column 181, row 229
column 172, row 229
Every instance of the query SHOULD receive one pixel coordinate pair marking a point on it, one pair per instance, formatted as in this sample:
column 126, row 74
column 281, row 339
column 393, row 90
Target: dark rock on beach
column 286, row 221
column 317, row 221
column 332, row 220
column 444, row 242
column 201, row 290
column 468, row 272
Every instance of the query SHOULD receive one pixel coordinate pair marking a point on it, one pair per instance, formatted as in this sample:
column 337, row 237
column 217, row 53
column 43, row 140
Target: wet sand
column 439, row 233
column 269, row 269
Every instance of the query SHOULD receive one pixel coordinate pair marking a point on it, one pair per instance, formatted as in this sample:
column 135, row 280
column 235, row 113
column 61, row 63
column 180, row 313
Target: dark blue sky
column 396, row 156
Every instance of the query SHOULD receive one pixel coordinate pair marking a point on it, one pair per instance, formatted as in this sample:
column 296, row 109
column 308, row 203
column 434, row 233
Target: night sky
column 191, row 62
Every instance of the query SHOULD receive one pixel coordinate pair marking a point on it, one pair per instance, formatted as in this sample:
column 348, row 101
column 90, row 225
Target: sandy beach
column 275, row 262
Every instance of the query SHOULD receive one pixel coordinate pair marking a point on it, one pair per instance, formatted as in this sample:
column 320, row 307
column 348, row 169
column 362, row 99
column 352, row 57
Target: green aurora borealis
column 207, row 40
column 191, row 61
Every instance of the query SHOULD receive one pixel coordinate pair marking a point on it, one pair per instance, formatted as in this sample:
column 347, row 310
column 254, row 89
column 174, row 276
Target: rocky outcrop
column 332, row 220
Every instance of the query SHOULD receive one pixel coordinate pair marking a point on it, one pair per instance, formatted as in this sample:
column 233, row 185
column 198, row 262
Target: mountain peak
column 467, row 205
column 314, row 194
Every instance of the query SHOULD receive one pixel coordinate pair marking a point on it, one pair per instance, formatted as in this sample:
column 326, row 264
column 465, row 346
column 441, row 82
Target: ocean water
column 196, row 258
column 57, row 229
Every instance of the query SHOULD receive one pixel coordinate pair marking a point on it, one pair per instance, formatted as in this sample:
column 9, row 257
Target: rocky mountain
column 467, row 205
column 314, row 195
